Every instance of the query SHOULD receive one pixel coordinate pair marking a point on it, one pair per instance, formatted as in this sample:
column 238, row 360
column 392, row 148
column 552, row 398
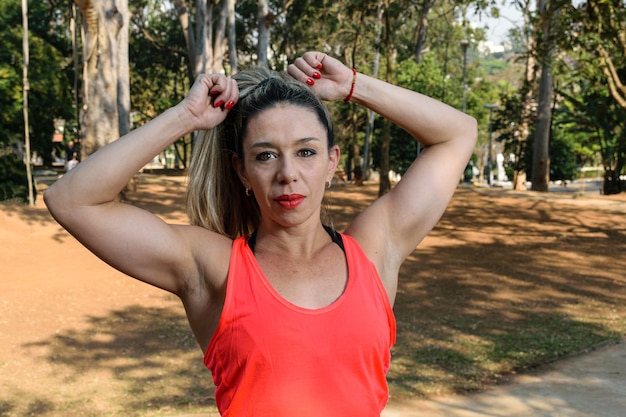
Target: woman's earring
column 248, row 192
column 330, row 182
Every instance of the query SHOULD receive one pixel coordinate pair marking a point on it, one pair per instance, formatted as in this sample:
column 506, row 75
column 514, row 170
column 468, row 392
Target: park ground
column 507, row 281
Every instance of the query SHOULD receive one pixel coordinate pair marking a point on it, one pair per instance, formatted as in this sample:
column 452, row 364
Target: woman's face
column 287, row 164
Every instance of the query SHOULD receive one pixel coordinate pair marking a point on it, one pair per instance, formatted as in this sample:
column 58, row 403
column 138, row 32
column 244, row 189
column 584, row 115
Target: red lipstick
column 289, row 201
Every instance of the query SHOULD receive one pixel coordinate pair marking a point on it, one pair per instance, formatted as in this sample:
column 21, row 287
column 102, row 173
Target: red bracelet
column 347, row 99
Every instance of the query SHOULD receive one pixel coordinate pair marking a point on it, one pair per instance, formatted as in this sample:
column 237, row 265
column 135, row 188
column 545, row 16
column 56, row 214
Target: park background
column 510, row 279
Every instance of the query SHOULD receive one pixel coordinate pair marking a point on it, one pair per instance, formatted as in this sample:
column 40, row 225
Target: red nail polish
column 319, row 66
column 213, row 93
column 310, row 81
column 317, row 75
column 230, row 105
column 218, row 103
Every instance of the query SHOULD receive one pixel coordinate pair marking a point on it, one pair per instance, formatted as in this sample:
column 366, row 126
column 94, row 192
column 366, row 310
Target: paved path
column 591, row 384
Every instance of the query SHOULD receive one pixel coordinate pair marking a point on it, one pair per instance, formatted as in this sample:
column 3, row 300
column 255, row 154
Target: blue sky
column 498, row 29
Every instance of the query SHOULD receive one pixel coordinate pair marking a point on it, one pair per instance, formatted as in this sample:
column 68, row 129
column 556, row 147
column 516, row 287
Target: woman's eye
column 265, row 156
column 306, row 153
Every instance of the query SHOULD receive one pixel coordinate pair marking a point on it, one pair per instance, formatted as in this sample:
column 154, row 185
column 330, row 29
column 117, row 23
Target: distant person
column 69, row 151
column 72, row 162
column 293, row 317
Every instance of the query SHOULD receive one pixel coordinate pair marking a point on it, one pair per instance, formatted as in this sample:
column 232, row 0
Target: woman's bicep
column 134, row 242
column 394, row 225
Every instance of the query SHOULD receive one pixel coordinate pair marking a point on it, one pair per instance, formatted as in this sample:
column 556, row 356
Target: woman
column 294, row 318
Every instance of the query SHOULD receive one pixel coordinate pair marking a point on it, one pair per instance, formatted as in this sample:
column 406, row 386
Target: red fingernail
column 230, row 105
column 310, row 81
column 218, row 103
column 213, row 93
column 317, row 75
column 319, row 66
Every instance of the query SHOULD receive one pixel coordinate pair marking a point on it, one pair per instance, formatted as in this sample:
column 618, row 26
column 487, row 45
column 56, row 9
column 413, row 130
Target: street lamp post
column 464, row 46
column 491, row 108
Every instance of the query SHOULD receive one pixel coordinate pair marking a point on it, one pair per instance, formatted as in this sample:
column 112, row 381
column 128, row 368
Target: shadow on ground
column 149, row 354
column 500, row 286
column 503, row 283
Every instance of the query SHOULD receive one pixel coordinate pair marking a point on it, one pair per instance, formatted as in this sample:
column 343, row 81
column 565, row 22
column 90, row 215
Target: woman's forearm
column 428, row 120
column 100, row 177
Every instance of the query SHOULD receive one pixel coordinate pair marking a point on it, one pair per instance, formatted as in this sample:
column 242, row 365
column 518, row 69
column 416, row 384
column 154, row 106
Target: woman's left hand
column 328, row 77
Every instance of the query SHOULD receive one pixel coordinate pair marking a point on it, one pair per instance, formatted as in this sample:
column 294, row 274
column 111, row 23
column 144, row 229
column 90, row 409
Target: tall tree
column 29, row 178
column 541, row 157
column 264, row 21
column 526, row 93
column 380, row 13
column 605, row 27
column 422, row 27
column 607, row 21
column 232, row 37
column 49, row 75
column 105, row 77
column 384, row 184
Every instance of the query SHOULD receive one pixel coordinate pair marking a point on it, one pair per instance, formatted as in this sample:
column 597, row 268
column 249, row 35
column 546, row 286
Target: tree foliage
column 419, row 48
column 49, row 75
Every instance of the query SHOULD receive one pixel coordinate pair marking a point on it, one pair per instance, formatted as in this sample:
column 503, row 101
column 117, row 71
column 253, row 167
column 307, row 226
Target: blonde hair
column 216, row 198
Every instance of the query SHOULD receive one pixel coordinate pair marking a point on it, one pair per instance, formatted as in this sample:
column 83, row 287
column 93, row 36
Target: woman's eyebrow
column 266, row 144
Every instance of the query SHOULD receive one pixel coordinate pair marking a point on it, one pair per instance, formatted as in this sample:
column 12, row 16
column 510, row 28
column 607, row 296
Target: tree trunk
column 371, row 115
column 527, row 94
column 232, row 39
column 203, row 38
column 421, row 29
column 541, row 157
column 123, row 70
column 384, row 185
column 26, row 87
column 264, row 21
column 609, row 19
column 612, row 183
column 183, row 17
column 102, row 25
column 219, row 46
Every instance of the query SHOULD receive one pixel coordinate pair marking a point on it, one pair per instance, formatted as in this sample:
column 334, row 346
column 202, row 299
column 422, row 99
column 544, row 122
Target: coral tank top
column 269, row 357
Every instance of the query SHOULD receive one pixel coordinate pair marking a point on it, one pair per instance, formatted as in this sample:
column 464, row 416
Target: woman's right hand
column 209, row 99
column 328, row 77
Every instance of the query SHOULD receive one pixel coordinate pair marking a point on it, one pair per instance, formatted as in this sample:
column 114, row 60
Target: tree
column 422, row 27
column 525, row 113
column 605, row 25
column 106, row 98
column 49, row 76
column 597, row 66
column 384, row 185
column 591, row 112
column 541, row 157
column 264, row 20
column 29, row 177
column 607, row 21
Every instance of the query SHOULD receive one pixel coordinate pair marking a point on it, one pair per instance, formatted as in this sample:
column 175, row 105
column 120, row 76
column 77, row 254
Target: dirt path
column 80, row 339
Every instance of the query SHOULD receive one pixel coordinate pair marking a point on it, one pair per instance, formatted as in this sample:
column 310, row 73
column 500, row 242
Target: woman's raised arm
column 395, row 224
column 132, row 240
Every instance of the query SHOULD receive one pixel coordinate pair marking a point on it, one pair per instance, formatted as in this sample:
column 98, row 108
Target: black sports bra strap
column 252, row 240
column 334, row 235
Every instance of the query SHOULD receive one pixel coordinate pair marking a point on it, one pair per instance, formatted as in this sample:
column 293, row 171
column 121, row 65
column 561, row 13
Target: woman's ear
column 240, row 169
column 333, row 160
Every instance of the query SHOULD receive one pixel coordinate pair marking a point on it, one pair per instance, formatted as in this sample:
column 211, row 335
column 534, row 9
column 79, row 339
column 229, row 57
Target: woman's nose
column 287, row 171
